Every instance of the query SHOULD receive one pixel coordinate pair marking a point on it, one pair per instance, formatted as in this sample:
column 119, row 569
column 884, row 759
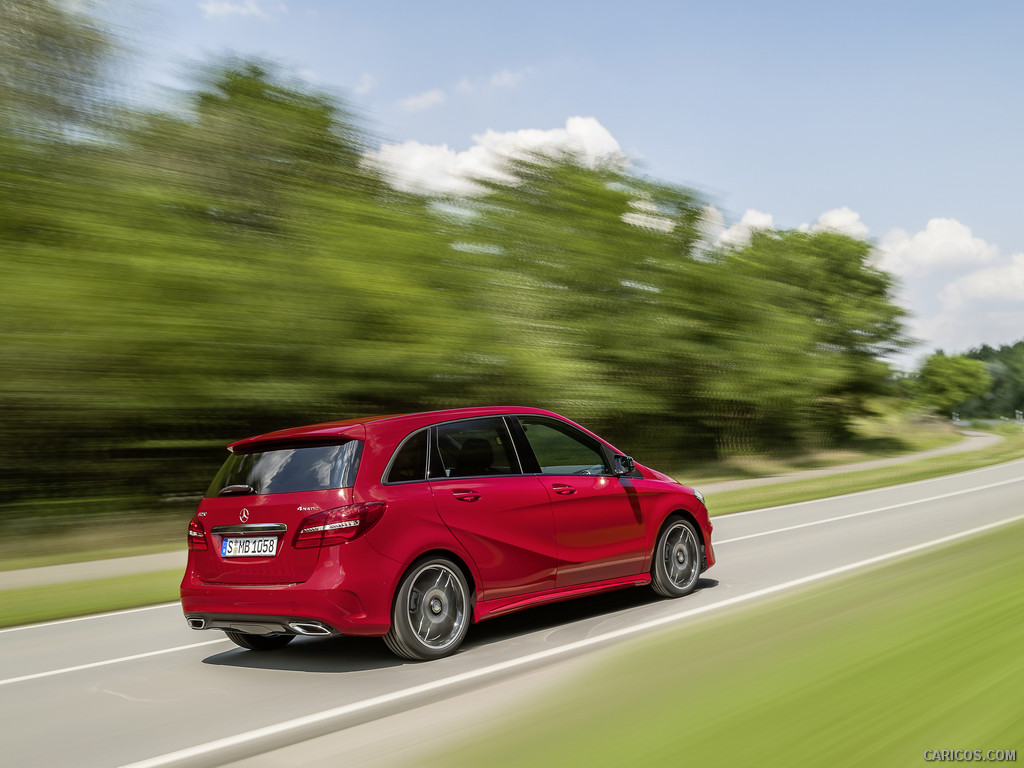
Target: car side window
column 473, row 448
column 410, row 460
column 562, row 449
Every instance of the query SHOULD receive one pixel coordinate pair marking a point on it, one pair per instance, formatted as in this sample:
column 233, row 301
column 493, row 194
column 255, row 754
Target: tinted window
column 287, row 470
column 473, row 448
column 410, row 461
column 563, row 450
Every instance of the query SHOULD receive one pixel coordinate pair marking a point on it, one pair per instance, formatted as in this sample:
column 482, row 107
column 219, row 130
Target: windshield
column 288, row 470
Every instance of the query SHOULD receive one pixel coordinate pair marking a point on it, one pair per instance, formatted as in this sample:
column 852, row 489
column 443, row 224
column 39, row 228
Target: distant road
column 138, row 686
column 973, row 441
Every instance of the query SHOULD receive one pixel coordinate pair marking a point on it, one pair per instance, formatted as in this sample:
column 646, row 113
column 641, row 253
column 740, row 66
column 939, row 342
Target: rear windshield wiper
column 237, row 490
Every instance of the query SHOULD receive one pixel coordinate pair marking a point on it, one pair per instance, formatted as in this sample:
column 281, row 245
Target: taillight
column 196, row 535
column 338, row 525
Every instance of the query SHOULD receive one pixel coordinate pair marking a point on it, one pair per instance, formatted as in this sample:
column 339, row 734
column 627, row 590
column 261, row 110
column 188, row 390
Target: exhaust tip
column 309, row 628
column 197, row 623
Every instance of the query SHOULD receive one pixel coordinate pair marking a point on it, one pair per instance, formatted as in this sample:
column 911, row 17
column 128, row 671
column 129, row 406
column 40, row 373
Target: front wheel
column 431, row 611
column 677, row 559
column 259, row 642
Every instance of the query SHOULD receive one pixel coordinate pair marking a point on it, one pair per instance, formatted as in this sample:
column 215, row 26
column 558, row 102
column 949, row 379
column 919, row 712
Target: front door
column 599, row 528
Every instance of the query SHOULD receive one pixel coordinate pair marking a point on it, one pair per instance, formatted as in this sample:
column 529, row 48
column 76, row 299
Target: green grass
column 81, row 598
column 871, row 669
column 96, row 540
column 1012, row 447
column 885, row 436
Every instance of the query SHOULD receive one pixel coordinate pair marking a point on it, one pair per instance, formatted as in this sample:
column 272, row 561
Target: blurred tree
column 53, row 98
column 943, row 383
column 178, row 279
column 250, row 141
column 52, row 58
column 838, row 312
column 580, row 267
column 1006, row 395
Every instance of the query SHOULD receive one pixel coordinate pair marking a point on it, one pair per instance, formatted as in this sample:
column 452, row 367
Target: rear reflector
column 338, row 525
column 196, row 535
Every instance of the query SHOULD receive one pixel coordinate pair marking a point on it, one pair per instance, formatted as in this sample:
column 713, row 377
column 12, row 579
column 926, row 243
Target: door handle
column 463, row 495
column 563, row 490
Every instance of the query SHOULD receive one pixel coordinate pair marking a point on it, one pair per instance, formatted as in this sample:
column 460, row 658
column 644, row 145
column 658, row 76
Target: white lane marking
column 316, row 718
column 824, row 520
column 107, row 662
column 883, row 489
column 89, row 617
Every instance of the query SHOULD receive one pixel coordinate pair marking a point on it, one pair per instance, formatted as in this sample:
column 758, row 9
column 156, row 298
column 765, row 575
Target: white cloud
column 507, row 78
column 423, row 101
column 224, row 8
column 645, row 214
column 710, row 227
column 843, row 221
column 712, row 224
column 438, row 169
column 943, row 245
column 739, row 234
column 429, row 168
column 1004, row 282
column 584, row 137
column 961, row 292
column 367, row 83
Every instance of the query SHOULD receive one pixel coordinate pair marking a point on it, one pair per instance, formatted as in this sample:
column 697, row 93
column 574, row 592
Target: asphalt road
column 140, row 687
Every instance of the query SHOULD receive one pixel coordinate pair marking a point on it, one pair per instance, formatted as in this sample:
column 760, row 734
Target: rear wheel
column 259, row 642
column 431, row 611
column 677, row 559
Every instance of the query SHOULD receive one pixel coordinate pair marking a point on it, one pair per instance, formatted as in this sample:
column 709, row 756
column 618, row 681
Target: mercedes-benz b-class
column 414, row 527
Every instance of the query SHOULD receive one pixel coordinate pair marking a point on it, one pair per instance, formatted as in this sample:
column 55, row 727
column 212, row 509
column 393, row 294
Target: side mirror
column 623, row 465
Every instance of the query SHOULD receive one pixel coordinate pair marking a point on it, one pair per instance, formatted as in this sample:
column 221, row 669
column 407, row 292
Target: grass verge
column 95, row 540
column 872, row 669
column 29, row 605
column 1012, row 447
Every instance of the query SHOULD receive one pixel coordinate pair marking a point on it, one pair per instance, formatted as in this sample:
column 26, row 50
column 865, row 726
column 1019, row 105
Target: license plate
column 255, row 546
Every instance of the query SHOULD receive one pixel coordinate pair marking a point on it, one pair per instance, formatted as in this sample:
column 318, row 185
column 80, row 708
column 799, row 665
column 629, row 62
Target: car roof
column 358, row 428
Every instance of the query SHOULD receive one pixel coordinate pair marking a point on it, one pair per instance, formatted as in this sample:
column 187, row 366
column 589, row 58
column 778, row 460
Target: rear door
column 599, row 525
column 500, row 516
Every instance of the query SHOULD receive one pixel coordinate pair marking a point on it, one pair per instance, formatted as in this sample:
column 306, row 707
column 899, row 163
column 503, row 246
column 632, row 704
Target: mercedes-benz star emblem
column 244, row 515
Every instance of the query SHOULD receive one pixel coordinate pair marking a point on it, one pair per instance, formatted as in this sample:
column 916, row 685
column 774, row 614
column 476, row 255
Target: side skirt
column 489, row 608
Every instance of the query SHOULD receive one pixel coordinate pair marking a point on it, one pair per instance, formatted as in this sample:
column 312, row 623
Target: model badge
column 244, row 515
column 309, row 509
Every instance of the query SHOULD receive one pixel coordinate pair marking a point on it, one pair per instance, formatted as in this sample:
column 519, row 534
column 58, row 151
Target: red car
column 413, row 527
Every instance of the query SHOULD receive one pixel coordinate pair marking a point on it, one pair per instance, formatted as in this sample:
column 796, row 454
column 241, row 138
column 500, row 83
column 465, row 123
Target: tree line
column 176, row 279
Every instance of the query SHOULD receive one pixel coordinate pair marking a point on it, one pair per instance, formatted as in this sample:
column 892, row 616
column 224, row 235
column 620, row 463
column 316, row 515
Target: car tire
column 431, row 611
column 259, row 642
column 676, row 565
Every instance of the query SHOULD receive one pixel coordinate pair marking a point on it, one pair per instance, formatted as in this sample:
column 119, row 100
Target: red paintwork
column 508, row 531
column 523, row 540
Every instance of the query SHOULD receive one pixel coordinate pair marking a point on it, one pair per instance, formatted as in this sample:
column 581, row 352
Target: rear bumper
column 254, row 624
column 349, row 596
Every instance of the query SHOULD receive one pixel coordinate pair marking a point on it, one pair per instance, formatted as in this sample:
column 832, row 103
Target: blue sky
column 900, row 121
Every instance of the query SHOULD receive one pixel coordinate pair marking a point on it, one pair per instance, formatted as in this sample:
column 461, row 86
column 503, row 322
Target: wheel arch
column 675, row 514
column 463, row 565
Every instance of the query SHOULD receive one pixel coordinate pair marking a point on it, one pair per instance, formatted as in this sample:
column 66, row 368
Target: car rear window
column 289, row 469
